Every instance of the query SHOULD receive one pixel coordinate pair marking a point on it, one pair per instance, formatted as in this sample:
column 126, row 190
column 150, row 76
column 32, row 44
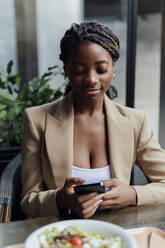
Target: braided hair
column 90, row 32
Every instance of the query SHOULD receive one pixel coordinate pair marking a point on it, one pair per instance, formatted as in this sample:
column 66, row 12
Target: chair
column 138, row 177
column 10, row 191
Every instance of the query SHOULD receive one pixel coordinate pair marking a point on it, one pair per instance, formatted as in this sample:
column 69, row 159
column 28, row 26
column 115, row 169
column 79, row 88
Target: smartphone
column 88, row 188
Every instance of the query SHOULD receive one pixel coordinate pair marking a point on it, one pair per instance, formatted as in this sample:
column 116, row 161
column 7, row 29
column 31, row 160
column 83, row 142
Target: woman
column 85, row 137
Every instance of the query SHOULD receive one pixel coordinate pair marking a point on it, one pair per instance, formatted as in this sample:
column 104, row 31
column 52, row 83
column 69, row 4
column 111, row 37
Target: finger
column 89, row 197
column 88, row 207
column 112, row 207
column 80, row 200
column 111, row 194
column 90, row 211
column 70, row 181
column 91, row 201
column 111, row 183
column 108, row 204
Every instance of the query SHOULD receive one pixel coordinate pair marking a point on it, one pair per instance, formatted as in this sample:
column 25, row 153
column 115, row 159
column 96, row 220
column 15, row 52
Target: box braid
column 90, row 32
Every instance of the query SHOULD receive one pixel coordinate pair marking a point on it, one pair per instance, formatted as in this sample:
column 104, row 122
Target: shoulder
column 58, row 108
column 129, row 112
column 37, row 115
column 136, row 118
column 43, row 109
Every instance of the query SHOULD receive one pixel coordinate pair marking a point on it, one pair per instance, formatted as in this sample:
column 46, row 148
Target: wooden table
column 131, row 217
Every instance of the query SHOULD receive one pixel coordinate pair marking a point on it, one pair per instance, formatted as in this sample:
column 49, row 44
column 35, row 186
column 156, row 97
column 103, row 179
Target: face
column 90, row 70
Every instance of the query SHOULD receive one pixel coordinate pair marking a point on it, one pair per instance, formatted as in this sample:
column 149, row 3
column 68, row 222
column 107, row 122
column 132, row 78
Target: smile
column 91, row 91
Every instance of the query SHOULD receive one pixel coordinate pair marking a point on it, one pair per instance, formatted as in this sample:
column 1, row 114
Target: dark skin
column 90, row 70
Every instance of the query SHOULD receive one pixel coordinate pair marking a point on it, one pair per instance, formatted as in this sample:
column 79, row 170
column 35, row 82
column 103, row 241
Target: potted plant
column 15, row 97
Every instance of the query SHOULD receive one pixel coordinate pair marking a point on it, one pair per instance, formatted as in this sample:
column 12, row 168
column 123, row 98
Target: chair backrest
column 138, row 177
column 10, row 191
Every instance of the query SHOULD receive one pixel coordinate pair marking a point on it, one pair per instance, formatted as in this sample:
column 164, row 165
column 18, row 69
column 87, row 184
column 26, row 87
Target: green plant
column 15, row 97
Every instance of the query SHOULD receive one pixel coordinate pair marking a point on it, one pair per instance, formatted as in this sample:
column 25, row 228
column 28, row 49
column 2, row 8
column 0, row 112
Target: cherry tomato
column 76, row 241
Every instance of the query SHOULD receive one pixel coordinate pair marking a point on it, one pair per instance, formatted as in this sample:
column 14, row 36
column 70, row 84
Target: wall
column 7, row 34
column 53, row 18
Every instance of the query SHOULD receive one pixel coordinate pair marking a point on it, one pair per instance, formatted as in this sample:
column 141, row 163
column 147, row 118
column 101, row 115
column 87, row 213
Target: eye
column 78, row 72
column 101, row 70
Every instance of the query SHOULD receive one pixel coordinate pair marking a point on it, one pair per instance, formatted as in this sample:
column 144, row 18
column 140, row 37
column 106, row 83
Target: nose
column 91, row 78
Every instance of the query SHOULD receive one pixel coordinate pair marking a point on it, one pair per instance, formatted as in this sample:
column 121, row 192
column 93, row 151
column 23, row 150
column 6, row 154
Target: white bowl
column 89, row 226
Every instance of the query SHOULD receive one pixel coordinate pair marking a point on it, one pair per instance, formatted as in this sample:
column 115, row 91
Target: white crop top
column 92, row 175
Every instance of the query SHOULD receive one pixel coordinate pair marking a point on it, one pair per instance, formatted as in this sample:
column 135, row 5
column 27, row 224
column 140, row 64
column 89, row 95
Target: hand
column 82, row 205
column 120, row 195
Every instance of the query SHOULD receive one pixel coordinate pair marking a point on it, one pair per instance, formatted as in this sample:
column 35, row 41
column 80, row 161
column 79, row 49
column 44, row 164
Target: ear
column 65, row 71
column 114, row 63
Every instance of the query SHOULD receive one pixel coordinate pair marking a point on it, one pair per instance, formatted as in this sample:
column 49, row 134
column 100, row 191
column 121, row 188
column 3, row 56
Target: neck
column 89, row 107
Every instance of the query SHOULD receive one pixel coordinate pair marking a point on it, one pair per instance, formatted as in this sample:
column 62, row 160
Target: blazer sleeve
column 151, row 157
column 36, row 199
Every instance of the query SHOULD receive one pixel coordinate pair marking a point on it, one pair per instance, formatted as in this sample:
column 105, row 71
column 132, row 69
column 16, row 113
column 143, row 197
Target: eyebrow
column 101, row 61
column 96, row 63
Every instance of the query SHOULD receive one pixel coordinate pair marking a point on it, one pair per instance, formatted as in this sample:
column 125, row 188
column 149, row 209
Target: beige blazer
column 47, row 153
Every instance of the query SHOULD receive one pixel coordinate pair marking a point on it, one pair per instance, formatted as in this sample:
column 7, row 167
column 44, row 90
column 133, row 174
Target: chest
column 90, row 143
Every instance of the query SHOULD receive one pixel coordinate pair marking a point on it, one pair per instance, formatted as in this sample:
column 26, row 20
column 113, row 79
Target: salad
column 75, row 237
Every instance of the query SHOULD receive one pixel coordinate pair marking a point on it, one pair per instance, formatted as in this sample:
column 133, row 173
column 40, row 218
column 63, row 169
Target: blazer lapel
column 59, row 140
column 120, row 139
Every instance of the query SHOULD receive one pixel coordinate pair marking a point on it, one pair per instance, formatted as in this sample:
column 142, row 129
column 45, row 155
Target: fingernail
column 94, row 194
column 102, row 195
column 98, row 197
column 97, row 204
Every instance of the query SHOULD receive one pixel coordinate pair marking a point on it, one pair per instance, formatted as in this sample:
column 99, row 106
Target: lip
column 91, row 89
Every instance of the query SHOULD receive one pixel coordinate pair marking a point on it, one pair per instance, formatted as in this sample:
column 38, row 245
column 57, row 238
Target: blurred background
column 30, row 33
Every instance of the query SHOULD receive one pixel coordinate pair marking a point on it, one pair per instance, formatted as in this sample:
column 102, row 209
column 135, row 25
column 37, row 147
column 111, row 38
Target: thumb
column 111, row 183
column 71, row 181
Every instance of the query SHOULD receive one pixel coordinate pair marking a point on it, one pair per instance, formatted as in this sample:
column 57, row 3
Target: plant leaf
column 52, row 67
column 9, row 66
